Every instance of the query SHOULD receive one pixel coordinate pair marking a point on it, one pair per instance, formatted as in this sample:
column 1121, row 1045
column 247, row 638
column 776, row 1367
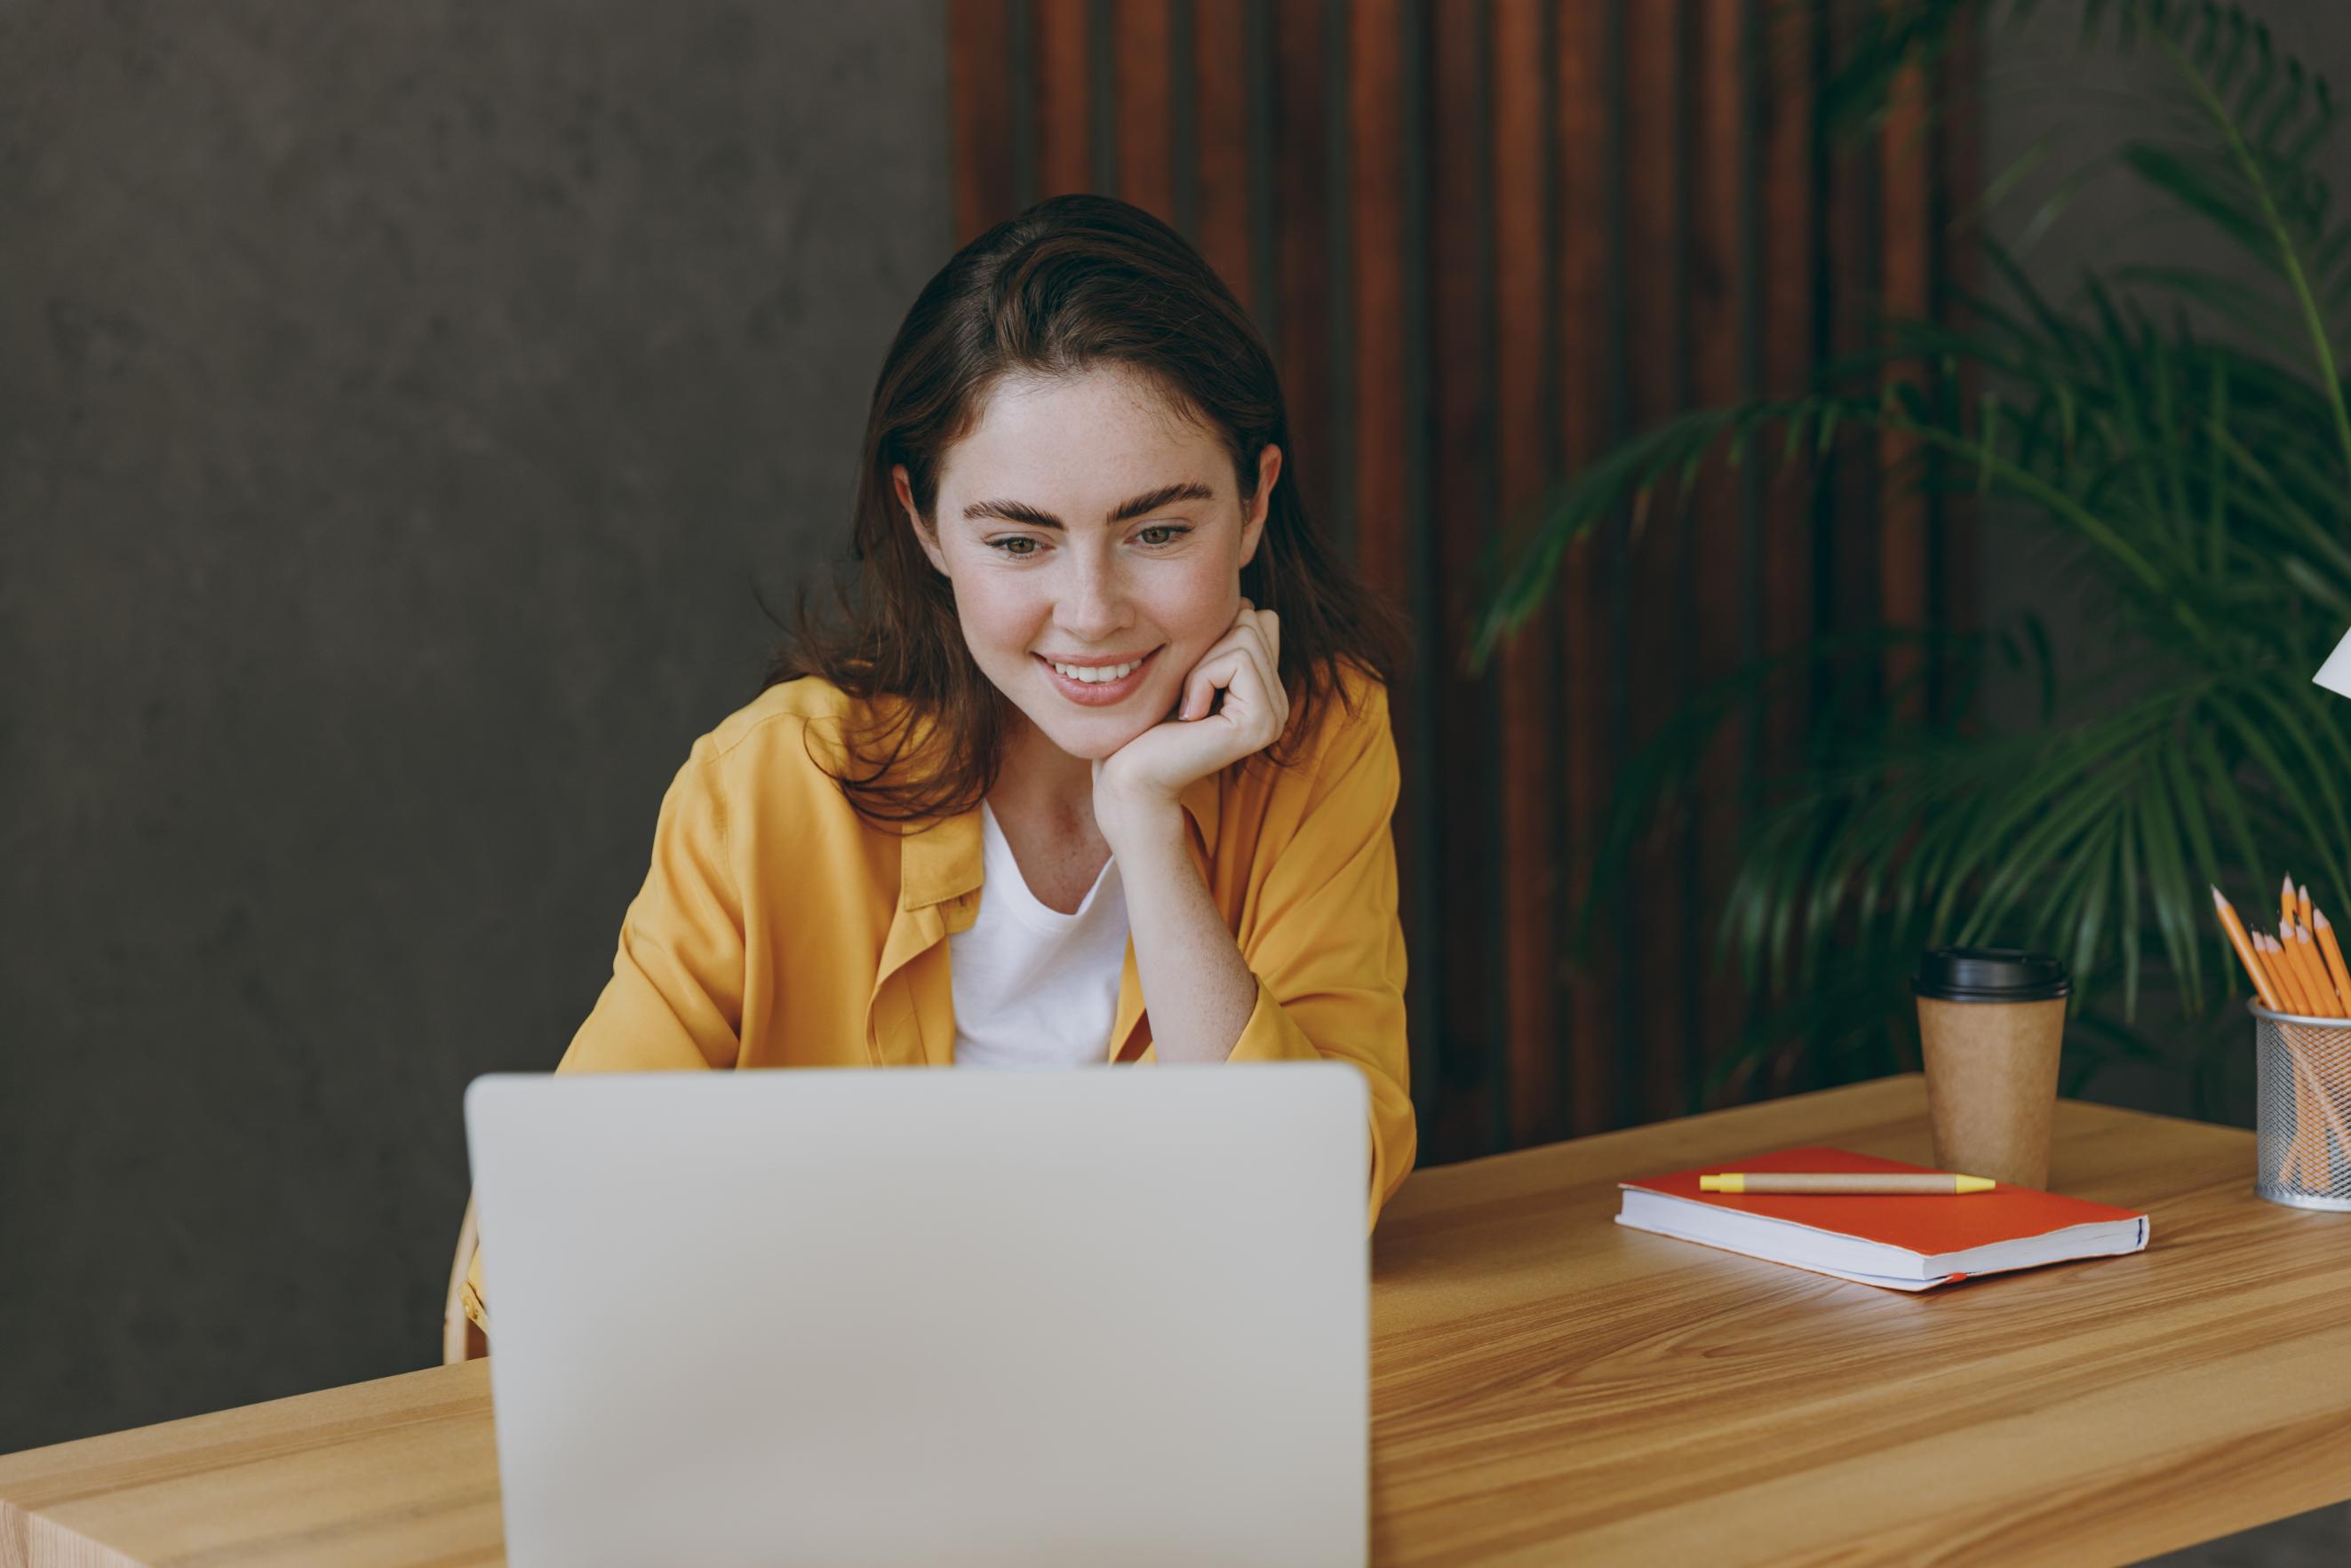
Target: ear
column 1269, row 469
column 922, row 535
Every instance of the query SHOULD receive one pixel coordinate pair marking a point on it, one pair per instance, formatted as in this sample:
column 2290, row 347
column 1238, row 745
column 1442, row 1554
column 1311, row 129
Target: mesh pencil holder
column 2302, row 1122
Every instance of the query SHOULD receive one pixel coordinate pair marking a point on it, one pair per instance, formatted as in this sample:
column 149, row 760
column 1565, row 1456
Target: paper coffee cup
column 1992, row 1020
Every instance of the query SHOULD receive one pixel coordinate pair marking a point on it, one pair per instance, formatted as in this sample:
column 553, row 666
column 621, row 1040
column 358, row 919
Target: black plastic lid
column 1989, row 975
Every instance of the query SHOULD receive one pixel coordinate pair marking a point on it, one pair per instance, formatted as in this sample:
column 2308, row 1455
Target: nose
column 1094, row 607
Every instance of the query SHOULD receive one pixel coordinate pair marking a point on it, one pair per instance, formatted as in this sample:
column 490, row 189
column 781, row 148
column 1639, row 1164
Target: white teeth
column 1099, row 675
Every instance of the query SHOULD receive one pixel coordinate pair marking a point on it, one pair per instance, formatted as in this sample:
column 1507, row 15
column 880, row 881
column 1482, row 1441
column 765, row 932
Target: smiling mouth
column 1096, row 675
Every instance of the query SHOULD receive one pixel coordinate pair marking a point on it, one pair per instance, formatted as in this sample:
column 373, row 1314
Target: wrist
column 1142, row 826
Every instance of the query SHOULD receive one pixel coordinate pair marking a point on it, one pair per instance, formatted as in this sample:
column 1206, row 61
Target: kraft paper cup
column 1991, row 1021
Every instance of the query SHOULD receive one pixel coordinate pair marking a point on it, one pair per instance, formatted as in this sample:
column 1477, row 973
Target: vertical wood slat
column 1788, row 291
column 1220, row 89
column 1378, row 441
column 1658, row 907
column 1375, row 213
column 1853, row 275
column 1425, row 1003
column 1302, row 245
column 979, row 76
column 1906, row 289
column 1718, row 262
column 1063, row 50
column 1142, row 42
column 1586, row 427
column 1959, row 180
column 1460, row 483
column 1521, row 455
column 1846, row 514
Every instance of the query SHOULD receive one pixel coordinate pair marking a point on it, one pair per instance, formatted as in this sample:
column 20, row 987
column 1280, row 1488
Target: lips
column 1098, row 694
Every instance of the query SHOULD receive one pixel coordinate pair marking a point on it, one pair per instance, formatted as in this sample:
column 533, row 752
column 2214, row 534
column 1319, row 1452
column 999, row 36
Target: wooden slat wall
column 1524, row 367
column 1788, row 283
column 1461, row 798
column 1486, row 239
column 1721, row 545
column 1588, row 342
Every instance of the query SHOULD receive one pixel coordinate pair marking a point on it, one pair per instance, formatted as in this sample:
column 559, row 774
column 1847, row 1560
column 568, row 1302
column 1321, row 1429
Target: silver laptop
column 1099, row 1315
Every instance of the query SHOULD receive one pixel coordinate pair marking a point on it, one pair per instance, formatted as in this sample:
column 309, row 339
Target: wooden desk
column 1550, row 1387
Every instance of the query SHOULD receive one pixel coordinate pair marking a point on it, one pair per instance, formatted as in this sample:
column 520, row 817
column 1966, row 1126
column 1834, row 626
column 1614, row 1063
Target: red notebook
column 1905, row 1243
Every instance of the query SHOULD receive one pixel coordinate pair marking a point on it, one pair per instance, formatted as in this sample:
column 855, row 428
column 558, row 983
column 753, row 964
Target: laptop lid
column 856, row 1316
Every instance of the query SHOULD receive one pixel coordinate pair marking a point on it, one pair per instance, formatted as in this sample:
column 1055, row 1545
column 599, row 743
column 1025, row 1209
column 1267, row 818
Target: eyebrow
column 1036, row 516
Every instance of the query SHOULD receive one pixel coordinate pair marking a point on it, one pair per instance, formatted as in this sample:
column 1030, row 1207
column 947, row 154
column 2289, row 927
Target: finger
column 1262, row 638
column 1223, row 669
column 1261, row 665
column 1214, row 672
column 1253, row 705
column 1265, row 643
column 1256, row 634
column 1254, row 629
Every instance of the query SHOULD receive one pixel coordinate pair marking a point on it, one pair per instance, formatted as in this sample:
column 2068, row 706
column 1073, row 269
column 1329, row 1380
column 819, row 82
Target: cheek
column 994, row 611
column 1198, row 608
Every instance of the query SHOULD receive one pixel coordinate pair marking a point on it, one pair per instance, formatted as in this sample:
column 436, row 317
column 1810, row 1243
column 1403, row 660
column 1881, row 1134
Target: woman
column 1106, row 722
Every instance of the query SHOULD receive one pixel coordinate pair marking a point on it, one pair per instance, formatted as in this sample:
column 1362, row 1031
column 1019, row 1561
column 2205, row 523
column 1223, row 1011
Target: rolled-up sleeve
column 675, row 1001
column 1327, row 944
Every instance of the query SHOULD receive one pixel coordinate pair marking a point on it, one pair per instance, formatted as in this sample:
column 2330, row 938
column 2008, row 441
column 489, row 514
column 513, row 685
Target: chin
column 1096, row 734
column 1097, row 739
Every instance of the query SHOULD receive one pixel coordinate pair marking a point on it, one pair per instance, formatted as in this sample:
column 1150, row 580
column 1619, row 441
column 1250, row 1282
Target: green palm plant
column 2182, row 434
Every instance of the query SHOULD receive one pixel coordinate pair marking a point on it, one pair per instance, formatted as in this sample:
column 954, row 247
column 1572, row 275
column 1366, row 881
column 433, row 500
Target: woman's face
column 1086, row 526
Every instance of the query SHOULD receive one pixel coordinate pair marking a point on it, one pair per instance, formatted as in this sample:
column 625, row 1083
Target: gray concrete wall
column 398, row 405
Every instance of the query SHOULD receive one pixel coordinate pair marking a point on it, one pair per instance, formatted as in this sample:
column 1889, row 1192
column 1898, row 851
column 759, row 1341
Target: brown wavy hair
column 1074, row 283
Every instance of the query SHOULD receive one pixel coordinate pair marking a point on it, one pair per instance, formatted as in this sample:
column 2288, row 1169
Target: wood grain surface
column 1549, row 1387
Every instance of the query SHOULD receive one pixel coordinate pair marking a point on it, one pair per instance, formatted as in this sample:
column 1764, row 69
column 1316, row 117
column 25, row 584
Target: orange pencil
column 2331, row 1083
column 2314, row 971
column 2268, row 971
column 2290, row 1165
column 2295, row 1165
column 2278, row 982
column 2288, row 978
column 2302, row 903
column 2332, row 950
column 2287, row 908
column 2296, row 985
column 2269, row 985
column 2243, row 944
column 2304, row 954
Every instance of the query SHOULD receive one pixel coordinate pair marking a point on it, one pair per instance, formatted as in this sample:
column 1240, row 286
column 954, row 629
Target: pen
column 1848, row 1183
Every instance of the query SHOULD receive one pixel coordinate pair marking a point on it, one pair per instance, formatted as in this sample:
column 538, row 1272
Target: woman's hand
column 1139, row 782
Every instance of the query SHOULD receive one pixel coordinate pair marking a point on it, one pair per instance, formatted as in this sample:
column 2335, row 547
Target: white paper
column 2336, row 674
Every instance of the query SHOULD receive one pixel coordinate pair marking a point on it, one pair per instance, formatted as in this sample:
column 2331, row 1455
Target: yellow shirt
column 778, row 928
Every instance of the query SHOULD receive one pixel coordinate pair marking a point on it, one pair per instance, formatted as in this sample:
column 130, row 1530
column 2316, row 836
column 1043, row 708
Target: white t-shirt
column 1033, row 986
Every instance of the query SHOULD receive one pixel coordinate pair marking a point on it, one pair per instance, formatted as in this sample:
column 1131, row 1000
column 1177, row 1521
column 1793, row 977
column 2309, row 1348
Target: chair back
column 460, row 1338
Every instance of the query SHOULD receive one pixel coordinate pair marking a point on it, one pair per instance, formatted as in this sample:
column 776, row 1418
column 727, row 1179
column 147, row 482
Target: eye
column 1028, row 546
column 1172, row 530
